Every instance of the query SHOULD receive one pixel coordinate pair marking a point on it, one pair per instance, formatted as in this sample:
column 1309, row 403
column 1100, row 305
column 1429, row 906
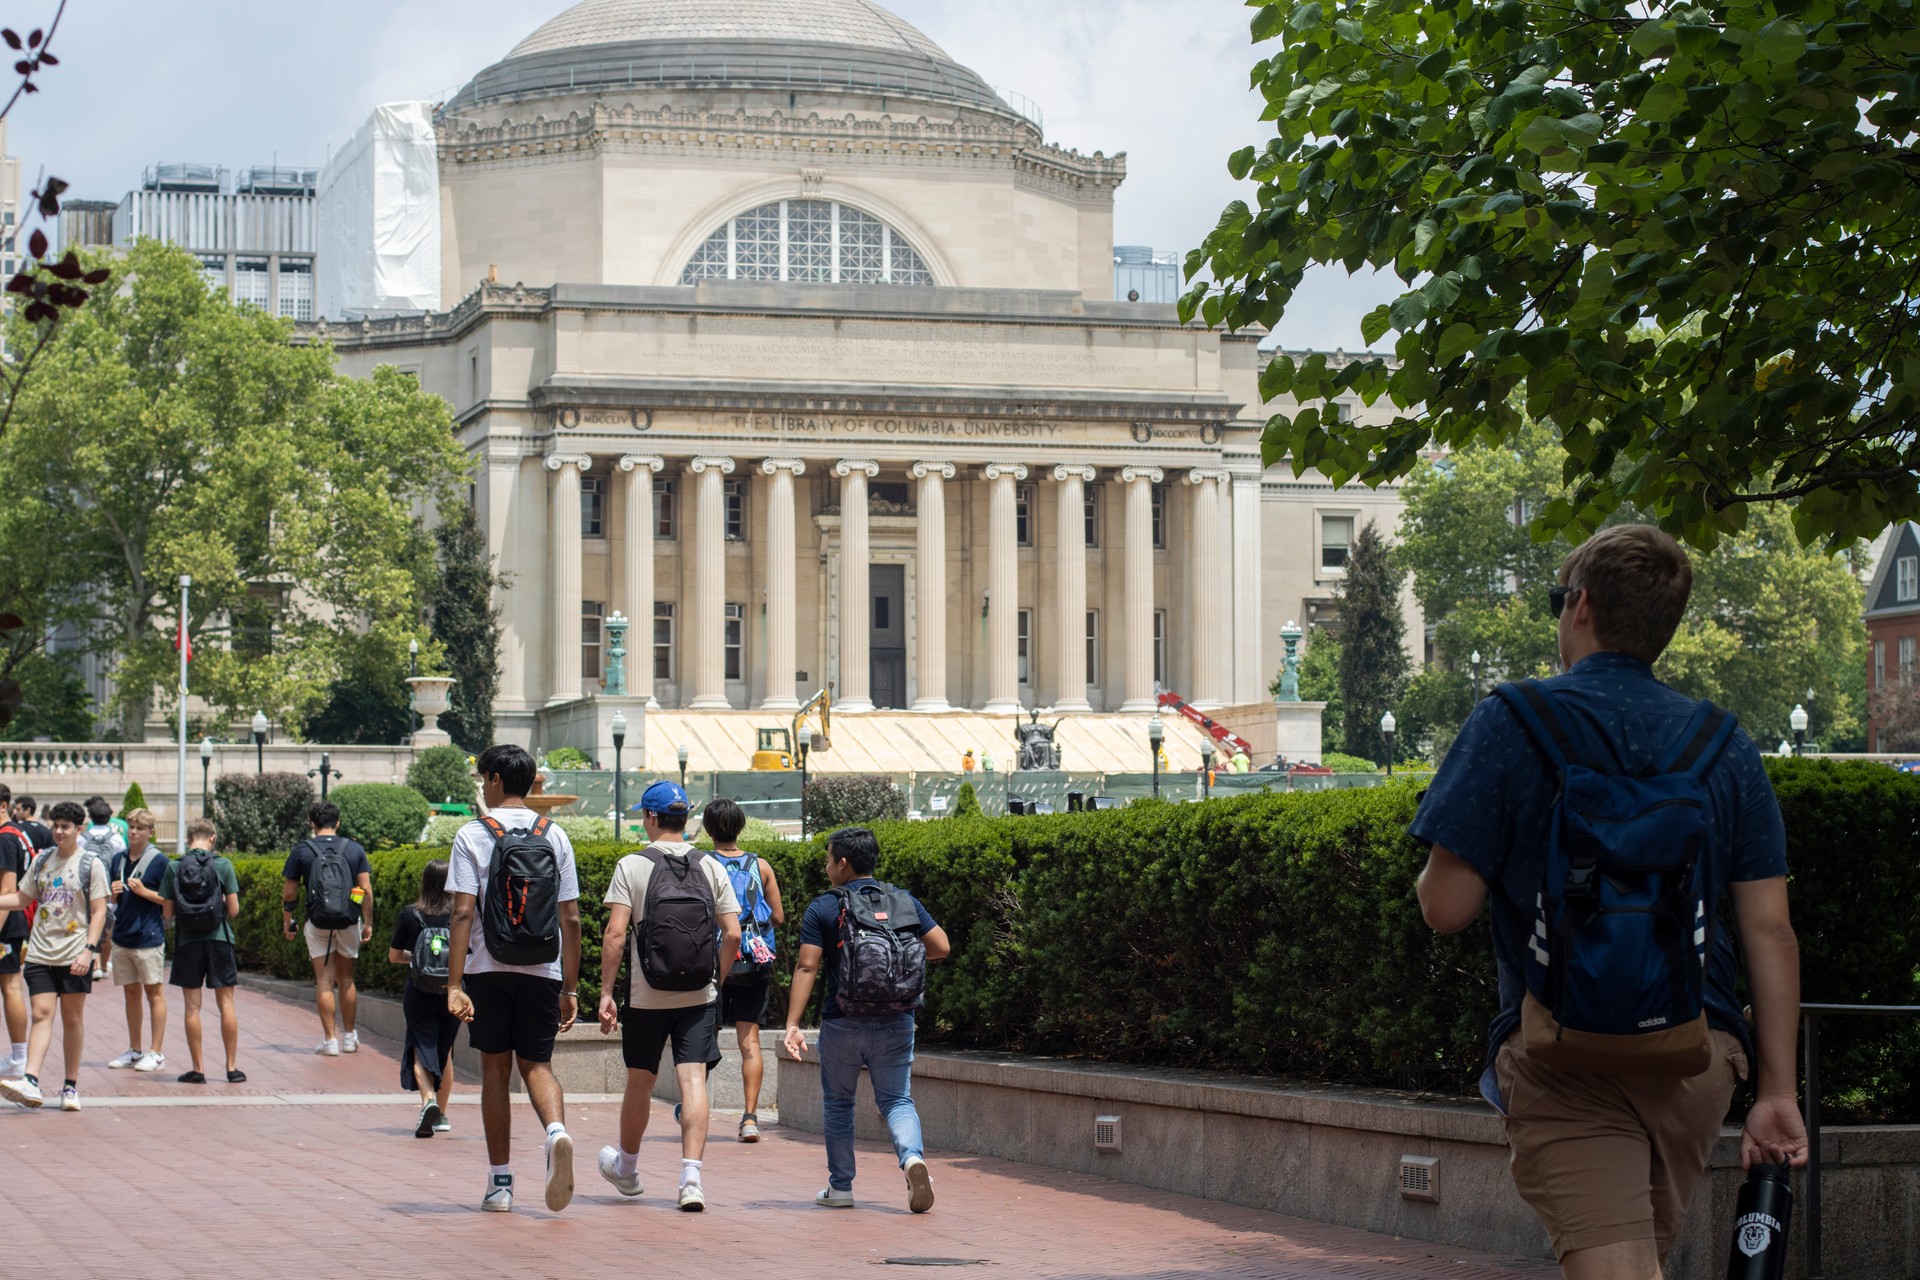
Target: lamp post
column 619, row 740
column 1798, row 719
column 326, row 772
column 1156, row 733
column 1206, row 770
column 683, row 766
column 259, row 742
column 1475, row 660
column 206, row 764
column 413, row 669
column 806, row 746
column 1387, row 724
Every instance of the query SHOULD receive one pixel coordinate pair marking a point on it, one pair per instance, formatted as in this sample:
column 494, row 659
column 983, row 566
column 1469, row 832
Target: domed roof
column 843, row 22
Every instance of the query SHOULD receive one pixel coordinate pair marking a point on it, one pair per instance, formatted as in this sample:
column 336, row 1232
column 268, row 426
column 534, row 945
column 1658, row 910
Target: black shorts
column 514, row 1013
column 644, row 1034
column 50, row 979
column 744, row 1002
column 204, row 964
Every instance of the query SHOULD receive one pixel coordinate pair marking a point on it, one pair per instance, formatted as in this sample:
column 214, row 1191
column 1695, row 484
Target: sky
column 258, row 82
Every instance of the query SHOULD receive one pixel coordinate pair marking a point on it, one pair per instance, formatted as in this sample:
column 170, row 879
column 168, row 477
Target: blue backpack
column 1616, row 966
column 755, row 963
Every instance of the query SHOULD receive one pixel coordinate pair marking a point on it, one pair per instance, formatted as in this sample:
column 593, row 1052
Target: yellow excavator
column 776, row 746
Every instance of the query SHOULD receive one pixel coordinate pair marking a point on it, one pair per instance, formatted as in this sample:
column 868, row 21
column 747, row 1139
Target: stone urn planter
column 431, row 696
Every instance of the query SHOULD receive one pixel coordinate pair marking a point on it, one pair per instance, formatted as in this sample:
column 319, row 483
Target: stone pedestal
column 1297, row 731
column 587, row 723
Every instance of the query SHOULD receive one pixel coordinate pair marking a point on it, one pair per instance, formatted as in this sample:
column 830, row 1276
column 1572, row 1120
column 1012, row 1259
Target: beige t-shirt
column 60, row 929
column 628, row 888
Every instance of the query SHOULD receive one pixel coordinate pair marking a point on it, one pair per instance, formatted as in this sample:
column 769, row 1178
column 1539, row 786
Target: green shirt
column 229, row 883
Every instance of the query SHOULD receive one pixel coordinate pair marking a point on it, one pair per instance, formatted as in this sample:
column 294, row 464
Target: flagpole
column 186, row 581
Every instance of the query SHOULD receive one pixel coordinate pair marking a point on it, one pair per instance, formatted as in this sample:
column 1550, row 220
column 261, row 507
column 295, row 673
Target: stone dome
column 843, row 22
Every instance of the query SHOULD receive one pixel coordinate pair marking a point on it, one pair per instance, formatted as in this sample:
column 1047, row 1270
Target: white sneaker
column 559, row 1171
column 23, row 1091
column 831, row 1199
column 499, row 1197
column 350, row 1043
column 69, row 1098
column 131, row 1058
column 328, row 1049
column 919, row 1185
column 627, row 1184
column 692, row 1198
column 150, row 1061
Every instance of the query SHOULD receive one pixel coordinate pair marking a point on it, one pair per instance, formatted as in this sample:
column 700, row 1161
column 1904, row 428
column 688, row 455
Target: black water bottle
column 1760, row 1224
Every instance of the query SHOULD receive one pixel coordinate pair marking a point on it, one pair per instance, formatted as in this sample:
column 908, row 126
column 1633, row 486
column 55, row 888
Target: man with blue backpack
column 1611, row 820
column 743, row 996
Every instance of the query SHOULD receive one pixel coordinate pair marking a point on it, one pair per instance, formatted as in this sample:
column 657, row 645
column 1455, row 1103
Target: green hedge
column 381, row 815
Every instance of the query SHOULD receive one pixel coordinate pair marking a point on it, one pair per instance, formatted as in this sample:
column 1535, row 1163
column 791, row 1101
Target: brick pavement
column 306, row 1168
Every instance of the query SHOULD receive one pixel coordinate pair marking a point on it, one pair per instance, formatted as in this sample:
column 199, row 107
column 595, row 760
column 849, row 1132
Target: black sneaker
column 193, row 1077
column 236, row 1076
column 429, row 1117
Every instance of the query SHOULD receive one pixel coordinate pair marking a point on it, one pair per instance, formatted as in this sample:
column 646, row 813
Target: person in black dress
column 424, row 1062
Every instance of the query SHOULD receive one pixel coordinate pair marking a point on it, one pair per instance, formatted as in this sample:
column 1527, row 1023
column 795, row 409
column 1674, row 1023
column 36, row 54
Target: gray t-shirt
column 628, row 888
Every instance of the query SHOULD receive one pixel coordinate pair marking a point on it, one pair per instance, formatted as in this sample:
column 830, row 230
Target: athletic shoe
column 559, row 1171
column 749, row 1127
column 131, row 1058
column 831, row 1199
column 350, row 1043
column 627, row 1184
column 919, row 1185
column 692, row 1198
column 98, row 975
column 327, row 1049
column 428, row 1115
column 440, row 1122
column 23, row 1091
column 150, row 1061
column 236, row 1076
column 193, row 1077
column 499, row 1197
column 69, row 1098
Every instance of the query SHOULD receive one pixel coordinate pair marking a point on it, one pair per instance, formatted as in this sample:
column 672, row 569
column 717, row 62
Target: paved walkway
column 310, row 1167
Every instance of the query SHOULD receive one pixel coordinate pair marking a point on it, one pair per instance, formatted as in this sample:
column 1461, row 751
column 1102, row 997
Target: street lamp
column 259, row 742
column 1156, row 733
column 806, row 746
column 1206, row 769
column 1475, row 660
column 619, row 741
column 1798, row 719
column 1387, row 724
column 683, row 766
column 325, row 772
column 206, row 763
column 413, row 669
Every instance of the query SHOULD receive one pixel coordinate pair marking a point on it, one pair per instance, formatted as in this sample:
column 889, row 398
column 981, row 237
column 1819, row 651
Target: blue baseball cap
column 664, row 797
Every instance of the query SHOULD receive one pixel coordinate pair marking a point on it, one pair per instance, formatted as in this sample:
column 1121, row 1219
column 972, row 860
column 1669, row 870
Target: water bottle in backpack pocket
column 330, row 882
column 678, row 936
column 520, row 915
column 199, row 904
column 427, row 968
column 880, row 963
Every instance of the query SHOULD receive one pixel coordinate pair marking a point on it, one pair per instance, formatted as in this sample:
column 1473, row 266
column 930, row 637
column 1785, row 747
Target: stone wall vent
column 1420, row 1178
column 1106, row 1133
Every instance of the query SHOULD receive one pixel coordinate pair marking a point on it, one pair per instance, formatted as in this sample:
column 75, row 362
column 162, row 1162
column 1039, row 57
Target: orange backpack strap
column 492, row 824
column 539, row 829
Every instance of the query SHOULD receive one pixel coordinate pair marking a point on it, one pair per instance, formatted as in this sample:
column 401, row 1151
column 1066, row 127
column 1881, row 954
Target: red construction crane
column 1219, row 731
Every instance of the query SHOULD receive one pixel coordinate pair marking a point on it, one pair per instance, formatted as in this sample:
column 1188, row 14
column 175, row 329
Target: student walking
column 743, row 996
column 70, row 887
column 203, row 898
column 103, row 840
column 422, row 940
column 685, row 935
column 339, row 884
column 139, row 964
column 16, row 853
column 514, row 969
column 881, row 939
column 39, row 835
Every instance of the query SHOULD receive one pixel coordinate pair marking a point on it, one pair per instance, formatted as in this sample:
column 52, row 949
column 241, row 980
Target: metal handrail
column 1810, row 1015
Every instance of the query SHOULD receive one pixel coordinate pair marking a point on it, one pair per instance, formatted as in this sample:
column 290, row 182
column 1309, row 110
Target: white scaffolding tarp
column 379, row 218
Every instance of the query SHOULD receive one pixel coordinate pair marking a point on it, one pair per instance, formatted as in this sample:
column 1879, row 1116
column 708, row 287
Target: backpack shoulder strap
column 1701, row 742
column 494, row 829
column 1534, row 709
column 540, row 827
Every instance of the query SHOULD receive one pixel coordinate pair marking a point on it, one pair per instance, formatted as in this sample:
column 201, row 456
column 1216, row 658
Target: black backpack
column 679, row 931
column 428, row 966
column 330, row 903
column 520, row 915
column 879, row 962
column 199, row 904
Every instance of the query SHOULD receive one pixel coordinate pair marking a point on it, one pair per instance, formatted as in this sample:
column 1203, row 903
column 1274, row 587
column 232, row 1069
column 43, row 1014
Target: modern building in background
column 1141, row 275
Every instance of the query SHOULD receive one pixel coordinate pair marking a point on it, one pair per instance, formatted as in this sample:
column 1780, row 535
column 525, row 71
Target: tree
column 466, row 622
column 1896, row 705
column 54, row 704
column 1320, row 682
column 176, row 433
column 1550, row 180
column 1373, row 656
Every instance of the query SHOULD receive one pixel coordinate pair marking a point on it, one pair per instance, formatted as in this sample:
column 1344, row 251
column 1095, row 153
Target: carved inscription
column 919, row 428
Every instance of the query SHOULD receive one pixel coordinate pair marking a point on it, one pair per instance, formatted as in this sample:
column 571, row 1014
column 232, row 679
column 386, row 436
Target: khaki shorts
column 342, row 942
column 146, row 966
column 1607, row 1159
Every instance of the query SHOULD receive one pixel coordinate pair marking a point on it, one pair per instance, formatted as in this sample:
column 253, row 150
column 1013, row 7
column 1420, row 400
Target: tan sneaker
column 919, row 1185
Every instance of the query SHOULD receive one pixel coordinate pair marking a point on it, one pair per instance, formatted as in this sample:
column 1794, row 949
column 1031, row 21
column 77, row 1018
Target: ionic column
column 1250, row 676
column 707, row 625
column 636, row 506
column 930, row 554
column 1209, row 611
column 856, row 635
column 563, row 508
column 782, row 570
column 1072, row 585
column 1003, row 587
column 1138, row 600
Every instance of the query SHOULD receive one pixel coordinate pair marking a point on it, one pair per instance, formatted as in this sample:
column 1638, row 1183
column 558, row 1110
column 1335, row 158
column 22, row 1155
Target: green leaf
column 1455, row 342
column 1240, row 163
column 1374, row 325
column 1406, row 311
column 1423, row 234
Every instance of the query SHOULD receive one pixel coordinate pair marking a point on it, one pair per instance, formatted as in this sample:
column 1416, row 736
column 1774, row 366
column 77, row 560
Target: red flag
column 184, row 642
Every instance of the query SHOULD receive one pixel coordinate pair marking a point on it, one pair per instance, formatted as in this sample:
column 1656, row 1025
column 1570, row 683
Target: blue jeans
column 884, row 1046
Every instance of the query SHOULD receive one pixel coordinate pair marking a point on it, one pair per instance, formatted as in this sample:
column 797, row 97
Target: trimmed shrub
column 566, row 758
column 443, row 776
column 261, row 812
column 381, row 815
column 134, row 799
column 966, row 803
column 852, row 800
column 1340, row 762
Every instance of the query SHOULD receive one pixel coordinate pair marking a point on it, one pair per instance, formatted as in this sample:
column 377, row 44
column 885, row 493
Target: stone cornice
column 1168, row 411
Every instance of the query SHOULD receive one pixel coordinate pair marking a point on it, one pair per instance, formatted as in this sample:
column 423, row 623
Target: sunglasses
column 1557, row 598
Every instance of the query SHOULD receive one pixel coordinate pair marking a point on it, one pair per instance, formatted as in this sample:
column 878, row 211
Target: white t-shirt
column 628, row 888
column 467, row 873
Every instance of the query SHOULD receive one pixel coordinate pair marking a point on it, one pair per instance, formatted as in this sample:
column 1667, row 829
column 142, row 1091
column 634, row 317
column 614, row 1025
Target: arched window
column 822, row 241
